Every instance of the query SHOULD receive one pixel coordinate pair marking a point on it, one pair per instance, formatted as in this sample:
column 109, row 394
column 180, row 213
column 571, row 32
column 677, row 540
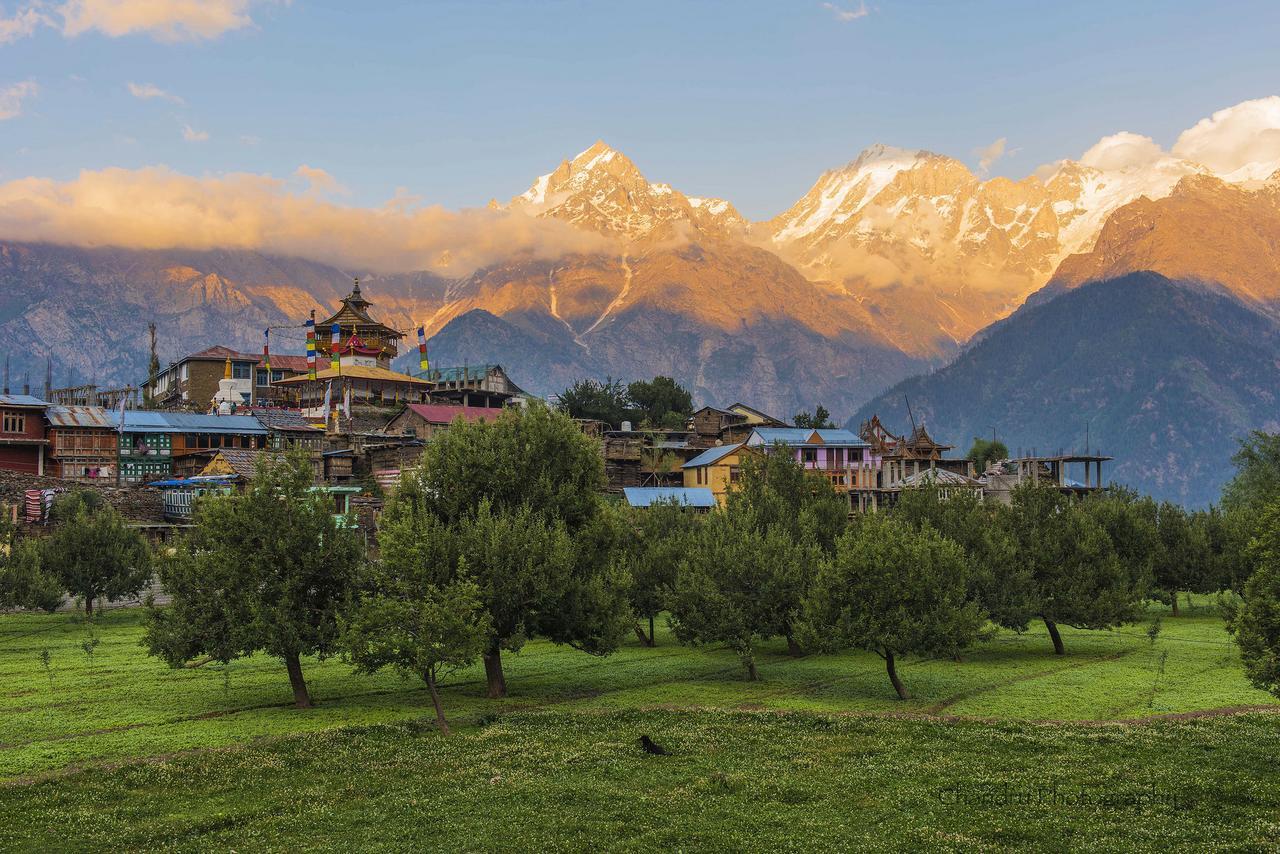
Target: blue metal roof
column 140, row 421
column 800, row 436
column 149, row 421
column 190, row 422
column 713, row 455
column 645, row 496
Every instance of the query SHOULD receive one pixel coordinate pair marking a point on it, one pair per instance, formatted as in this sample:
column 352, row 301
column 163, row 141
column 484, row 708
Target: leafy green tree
column 819, row 419
column 1181, row 557
column 1001, row 585
column 535, row 457
column 1255, row 623
column 658, row 537
column 894, row 590
column 605, row 401
column 517, row 504
column 1256, row 484
column 265, row 570
column 662, row 402
column 1080, row 579
column 983, row 452
column 774, row 493
column 92, row 552
column 23, row 580
column 739, row 586
column 404, row 620
column 1228, row 533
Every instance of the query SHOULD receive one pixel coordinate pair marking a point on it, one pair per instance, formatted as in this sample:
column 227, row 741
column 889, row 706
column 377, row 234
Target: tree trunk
column 493, row 673
column 1173, row 595
column 430, row 678
column 88, row 606
column 653, row 636
column 1189, row 603
column 1053, row 634
column 752, row 674
column 645, row 640
column 793, row 649
column 893, row 676
column 301, row 698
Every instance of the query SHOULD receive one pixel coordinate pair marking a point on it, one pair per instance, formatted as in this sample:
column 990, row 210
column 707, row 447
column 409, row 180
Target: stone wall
column 137, row 504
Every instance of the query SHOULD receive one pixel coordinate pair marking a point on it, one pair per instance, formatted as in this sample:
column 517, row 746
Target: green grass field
column 116, row 750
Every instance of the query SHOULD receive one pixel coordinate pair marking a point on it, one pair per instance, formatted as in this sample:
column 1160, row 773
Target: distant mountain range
column 888, row 267
column 1162, row 375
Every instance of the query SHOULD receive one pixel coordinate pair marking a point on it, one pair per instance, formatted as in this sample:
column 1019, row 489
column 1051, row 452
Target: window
column 240, row 370
column 276, row 375
column 261, row 379
column 810, row 455
column 14, row 422
column 734, row 473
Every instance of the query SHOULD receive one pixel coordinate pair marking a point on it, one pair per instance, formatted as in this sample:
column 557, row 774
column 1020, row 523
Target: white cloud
column 1233, row 138
column 23, row 23
column 1122, row 151
column 163, row 20
column 190, row 134
column 148, row 91
column 11, row 98
column 318, row 180
column 990, row 154
column 249, row 139
column 157, row 208
column 846, row 15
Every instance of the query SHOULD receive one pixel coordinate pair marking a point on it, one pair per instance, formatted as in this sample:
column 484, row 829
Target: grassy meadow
column 102, row 746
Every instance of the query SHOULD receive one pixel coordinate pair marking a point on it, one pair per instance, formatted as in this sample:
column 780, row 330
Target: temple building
column 365, row 349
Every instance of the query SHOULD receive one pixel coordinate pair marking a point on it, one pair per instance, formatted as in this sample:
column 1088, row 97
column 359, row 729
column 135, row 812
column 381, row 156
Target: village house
column 23, row 438
column 841, row 458
column 84, row 444
column 711, row 426
column 717, row 469
column 480, row 386
column 425, row 420
column 192, row 381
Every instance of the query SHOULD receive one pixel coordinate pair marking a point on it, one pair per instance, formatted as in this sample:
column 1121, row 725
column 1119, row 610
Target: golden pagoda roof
column 354, row 314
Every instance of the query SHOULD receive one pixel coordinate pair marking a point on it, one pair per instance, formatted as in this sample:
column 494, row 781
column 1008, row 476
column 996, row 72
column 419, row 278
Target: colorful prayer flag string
column 266, row 352
column 311, row 347
column 422, row 349
column 336, row 336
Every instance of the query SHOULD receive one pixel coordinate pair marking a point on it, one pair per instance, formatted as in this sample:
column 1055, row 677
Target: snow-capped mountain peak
column 602, row 189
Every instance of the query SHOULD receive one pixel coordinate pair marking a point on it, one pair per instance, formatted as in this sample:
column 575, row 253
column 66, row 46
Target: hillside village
column 203, row 422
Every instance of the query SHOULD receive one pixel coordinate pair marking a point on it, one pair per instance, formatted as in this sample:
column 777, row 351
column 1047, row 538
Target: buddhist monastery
column 364, row 350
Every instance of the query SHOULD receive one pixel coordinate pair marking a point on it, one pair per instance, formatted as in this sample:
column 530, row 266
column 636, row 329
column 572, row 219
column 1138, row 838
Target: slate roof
column 645, row 496
column 435, row 413
column 21, row 400
column 710, row 456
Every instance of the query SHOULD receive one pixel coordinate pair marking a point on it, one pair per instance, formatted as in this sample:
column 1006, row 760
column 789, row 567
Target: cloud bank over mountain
column 158, row 208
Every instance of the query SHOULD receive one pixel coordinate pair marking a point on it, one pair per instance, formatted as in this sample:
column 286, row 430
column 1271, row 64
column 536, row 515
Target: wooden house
column 424, row 420
column 717, row 469
column 23, row 436
column 84, row 444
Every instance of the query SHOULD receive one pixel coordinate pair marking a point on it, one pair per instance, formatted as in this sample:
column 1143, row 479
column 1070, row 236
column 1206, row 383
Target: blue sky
column 459, row 102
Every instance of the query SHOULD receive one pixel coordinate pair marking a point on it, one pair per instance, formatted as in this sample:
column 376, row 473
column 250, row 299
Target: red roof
column 444, row 414
column 278, row 362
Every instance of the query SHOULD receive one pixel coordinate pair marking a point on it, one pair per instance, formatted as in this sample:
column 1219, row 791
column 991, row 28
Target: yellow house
column 716, row 468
